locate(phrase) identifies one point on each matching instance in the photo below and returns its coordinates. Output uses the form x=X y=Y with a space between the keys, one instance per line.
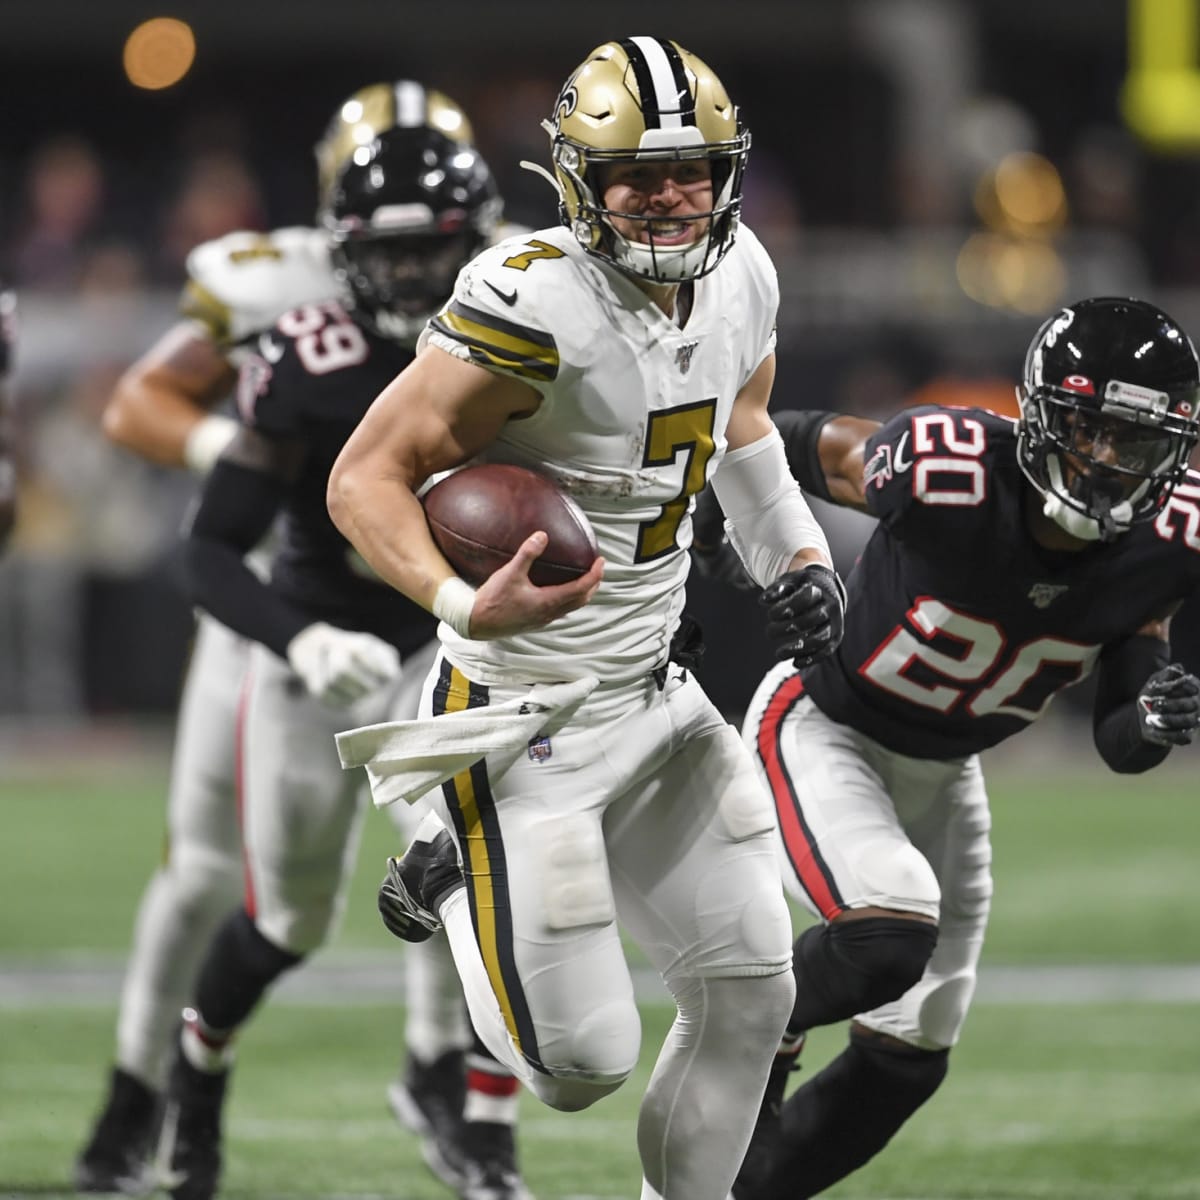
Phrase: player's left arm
x=1145 y=704
x=776 y=536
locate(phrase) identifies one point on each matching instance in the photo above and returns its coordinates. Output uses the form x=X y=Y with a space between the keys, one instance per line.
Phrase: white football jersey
x=242 y=283
x=632 y=424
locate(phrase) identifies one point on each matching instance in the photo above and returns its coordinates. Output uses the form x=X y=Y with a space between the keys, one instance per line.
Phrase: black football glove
x=806 y=614
x=1168 y=707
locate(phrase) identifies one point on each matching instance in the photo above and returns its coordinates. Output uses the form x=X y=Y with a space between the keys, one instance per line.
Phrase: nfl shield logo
x=683 y=356
x=1044 y=594
x=539 y=749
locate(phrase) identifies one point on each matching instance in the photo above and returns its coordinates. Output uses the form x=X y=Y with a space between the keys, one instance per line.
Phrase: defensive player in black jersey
x=332 y=645
x=1010 y=559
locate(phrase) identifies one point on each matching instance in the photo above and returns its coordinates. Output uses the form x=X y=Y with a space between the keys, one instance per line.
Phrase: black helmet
x=405 y=214
x=1108 y=414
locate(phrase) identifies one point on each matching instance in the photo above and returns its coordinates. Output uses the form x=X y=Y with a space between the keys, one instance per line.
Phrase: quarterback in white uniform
x=629 y=355
x=165 y=408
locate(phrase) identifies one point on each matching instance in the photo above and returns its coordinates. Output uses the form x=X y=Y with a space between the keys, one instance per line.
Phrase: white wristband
x=205 y=441
x=453 y=603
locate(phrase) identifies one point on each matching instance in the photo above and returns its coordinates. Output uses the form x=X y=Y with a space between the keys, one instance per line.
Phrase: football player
x=165 y=409
x=975 y=601
x=330 y=644
x=629 y=353
x=8 y=469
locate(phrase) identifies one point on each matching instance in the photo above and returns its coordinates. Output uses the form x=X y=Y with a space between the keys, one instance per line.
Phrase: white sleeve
x=766 y=516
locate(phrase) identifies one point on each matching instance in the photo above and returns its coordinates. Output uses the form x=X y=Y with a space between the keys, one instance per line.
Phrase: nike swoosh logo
x=509 y=299
x=271 y=351
x=899 y=462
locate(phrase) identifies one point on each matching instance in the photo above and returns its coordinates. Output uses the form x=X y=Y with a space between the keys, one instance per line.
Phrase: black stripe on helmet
x=645 y=82
x=687 y=104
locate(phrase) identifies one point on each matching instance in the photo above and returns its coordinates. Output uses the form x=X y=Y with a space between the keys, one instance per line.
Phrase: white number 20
x=983 y=645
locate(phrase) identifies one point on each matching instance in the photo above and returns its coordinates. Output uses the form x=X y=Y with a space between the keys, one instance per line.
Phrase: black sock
x=847 y=1113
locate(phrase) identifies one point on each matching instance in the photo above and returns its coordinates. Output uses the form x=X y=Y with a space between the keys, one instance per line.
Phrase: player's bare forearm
x=841 y=447
x=161 y=398
x=438 y=413
x=380 y=516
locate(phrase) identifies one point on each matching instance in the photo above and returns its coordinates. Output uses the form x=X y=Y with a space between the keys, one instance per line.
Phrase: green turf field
x=1095 y=1100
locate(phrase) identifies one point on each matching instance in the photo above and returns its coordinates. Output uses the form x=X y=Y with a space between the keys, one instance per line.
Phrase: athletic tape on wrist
x=206 y=440
x=453 y=603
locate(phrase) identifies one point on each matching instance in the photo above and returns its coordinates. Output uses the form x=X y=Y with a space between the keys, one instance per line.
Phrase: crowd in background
x=96 y=228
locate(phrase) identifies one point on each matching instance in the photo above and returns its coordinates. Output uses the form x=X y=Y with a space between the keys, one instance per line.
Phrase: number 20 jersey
x=631 y=423
x=959 y=628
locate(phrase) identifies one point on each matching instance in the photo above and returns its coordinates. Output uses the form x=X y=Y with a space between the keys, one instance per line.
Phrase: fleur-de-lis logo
x=568 y=101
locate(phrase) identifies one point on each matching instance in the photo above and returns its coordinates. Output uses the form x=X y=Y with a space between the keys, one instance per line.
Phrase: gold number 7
x=687 y=430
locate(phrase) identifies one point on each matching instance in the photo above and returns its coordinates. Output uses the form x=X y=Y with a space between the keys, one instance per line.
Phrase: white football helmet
x=646 y=99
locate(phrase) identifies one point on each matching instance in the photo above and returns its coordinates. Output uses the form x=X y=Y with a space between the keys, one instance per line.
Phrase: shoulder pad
x=243 y=282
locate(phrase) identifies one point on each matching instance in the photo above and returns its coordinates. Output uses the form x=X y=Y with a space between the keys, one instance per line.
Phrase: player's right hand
x=806 y=614
x=338 y=666
x=1168 y=707
x=507 y=603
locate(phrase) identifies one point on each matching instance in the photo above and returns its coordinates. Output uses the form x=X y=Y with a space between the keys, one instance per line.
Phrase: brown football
x=480 y=515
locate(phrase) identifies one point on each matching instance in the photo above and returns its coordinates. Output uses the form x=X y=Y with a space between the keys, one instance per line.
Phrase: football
x=480 y=515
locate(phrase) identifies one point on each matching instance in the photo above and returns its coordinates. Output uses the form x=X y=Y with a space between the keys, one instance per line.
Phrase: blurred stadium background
x=932 y=176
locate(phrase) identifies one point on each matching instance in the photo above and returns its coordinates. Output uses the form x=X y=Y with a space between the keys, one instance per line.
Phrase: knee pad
x=599 y=1053
x=204 y=882
x=571 y=1095
x=850 y=967
x=241 y=964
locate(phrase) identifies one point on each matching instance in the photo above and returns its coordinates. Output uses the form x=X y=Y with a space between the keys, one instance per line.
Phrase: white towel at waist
x=405 y=759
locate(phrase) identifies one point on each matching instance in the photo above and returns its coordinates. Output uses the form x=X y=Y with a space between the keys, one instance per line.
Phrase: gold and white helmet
x=646 y=99
x=372 y=110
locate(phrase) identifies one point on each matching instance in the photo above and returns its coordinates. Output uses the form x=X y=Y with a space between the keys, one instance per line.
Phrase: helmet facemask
x=591 y=222
x=396 y=283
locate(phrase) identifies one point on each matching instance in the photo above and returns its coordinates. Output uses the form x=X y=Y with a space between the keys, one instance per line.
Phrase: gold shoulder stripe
x=494 y=342
x=201 y=305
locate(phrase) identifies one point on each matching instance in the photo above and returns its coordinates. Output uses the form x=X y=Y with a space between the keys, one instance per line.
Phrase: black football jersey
x=959 y=628
x=310 y=382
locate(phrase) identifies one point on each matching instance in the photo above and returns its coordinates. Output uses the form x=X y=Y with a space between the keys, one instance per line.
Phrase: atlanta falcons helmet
x=405 y=214
x=646 y=99
x=362 y=117
x=1109 y=414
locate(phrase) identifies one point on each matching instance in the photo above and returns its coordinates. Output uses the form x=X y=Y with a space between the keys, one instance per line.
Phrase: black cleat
x=429 y=1102
x=188 y=1162
x=764 y=1141
x=491 y=1166
x=416 y=885
x=115 y=1158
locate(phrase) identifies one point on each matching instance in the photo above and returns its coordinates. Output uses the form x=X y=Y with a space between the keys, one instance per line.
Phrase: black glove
x=1168 y=707
x=806 y=614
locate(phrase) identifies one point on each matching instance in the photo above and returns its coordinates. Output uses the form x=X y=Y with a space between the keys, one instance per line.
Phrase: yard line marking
x=94 y=981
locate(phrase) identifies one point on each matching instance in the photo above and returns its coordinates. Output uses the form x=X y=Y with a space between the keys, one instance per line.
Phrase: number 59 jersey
x=631 y=423
x=959 y=628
